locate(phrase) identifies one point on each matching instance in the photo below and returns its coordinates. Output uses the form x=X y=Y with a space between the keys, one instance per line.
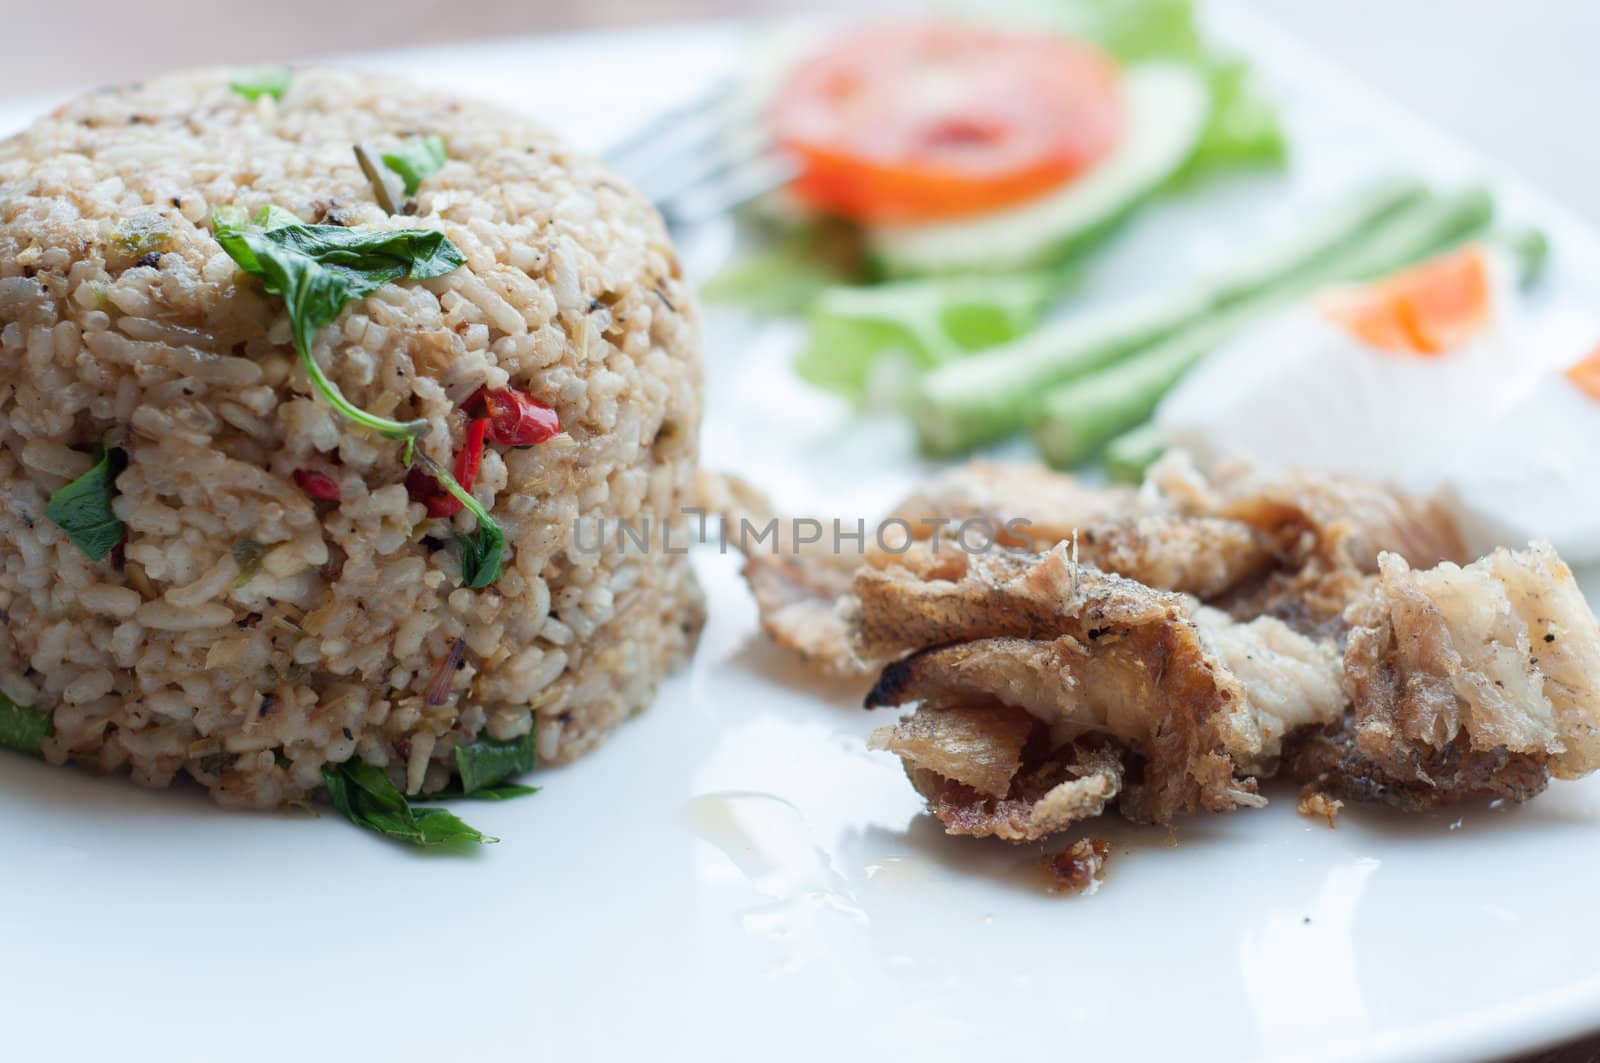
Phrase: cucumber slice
x=1167 y=107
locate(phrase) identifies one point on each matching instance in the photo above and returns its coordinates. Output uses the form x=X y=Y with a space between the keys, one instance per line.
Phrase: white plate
x=735 y=876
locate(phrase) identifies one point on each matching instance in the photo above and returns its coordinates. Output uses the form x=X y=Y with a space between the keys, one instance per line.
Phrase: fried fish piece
x=1296 y=548
x=1464 y=682
x=1050 y=505
x=968 y=762
x=797 y=586
x=1087 y=654
x=1204 y=556
x=1346 y=520
x=1323 y=533
x=1034 y=508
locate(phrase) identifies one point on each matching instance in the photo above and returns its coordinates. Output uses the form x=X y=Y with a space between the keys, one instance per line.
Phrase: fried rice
x=244 y=633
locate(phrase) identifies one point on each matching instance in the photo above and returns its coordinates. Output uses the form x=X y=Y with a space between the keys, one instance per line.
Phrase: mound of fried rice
x=245 y=634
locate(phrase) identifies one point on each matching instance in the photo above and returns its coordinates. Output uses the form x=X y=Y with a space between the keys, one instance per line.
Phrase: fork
x=700 y=159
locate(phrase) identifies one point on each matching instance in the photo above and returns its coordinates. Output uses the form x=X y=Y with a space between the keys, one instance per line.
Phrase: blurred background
x=1517 y=80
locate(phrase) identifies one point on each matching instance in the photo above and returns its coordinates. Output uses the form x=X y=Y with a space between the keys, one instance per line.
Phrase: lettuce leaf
x=789 y=266
x=929 y=322
x=1129 y=30
x=1243 y=131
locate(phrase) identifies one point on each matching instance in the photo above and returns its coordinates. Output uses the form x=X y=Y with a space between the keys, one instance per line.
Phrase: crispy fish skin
x=1333 y=766
x=797 y=586
x=1296 y=548
x=1465 y=682
x=1052 y=504
x=975 y=746
x=1049 y=795
x=1086 y=653
x=1344 y=520
x=1324 y=534
x=797 y=599
x=1203 y=556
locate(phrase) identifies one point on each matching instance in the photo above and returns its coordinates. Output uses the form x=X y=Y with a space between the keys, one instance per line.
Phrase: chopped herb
x=375 y=177
x=481 y=548
x=364 y=795
x=258 y=81
x=488 y=761
x=417 y=160
x=82 y=508
x=23 y=727
x=141 y=234
x=247 y=554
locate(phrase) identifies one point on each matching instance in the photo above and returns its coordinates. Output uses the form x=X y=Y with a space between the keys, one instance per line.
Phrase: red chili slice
x=425 y=489
x=516 y=419
x=318 y=485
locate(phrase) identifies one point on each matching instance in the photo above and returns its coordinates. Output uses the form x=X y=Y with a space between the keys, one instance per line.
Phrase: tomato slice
x=1427 y=309
x=1586 y=374
x=919 y=121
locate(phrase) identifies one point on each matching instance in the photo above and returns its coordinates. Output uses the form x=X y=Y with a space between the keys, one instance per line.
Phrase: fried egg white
x=1389 y=381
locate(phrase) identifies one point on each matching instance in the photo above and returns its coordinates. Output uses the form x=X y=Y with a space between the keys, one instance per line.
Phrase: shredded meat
x=1345 y=520
x=1465 y=682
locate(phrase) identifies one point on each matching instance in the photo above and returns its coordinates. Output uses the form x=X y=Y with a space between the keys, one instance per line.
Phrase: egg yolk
x=1586 y=374
x=1427 y=309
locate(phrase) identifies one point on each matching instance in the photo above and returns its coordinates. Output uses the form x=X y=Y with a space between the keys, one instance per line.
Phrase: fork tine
x=725 y=154
x=671 y=120
x=702 y=158
x=734 y=188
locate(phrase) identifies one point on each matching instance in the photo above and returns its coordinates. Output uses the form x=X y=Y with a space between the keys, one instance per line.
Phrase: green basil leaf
x=318 y=269
x=364 y=795
x=481 y=551
x=258 y=81
x=488 y=761
x=505 y=791
x=23 y=727
x=82 y=508
x=417 y=160
x=435 y=826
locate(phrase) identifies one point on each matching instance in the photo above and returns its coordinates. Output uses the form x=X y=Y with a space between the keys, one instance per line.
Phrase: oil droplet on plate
x=767 y=840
